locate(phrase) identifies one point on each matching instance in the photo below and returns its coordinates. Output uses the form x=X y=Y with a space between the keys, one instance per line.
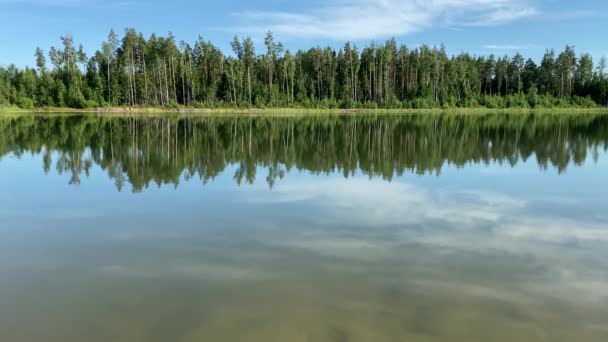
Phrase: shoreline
x=297 y=111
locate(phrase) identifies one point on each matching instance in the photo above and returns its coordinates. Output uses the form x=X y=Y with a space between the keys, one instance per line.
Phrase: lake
x=304 y=228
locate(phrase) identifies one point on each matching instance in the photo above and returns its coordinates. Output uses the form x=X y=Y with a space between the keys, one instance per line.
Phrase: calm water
x=390 y=228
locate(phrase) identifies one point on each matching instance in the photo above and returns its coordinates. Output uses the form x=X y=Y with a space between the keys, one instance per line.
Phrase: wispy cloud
x=507 y=47
x=503 y=218
x=452 y=222
x=369 y=19
x=501 y=16
x=574 y=14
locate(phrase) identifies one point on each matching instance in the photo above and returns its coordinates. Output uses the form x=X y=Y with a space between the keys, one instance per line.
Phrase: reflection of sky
x=507 y=230
x=557 y=220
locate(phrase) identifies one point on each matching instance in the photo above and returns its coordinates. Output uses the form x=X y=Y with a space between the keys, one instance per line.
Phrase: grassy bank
x=293 y=111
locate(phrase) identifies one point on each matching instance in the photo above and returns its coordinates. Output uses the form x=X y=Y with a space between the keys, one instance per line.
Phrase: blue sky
x=476 y=26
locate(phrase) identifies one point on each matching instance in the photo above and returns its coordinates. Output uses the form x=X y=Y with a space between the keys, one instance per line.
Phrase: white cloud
x=369 y=19
x=497 y=217
x=395 y=215
x=381 y=203
x=507 y=47
x=575 y=14
x=502 y=16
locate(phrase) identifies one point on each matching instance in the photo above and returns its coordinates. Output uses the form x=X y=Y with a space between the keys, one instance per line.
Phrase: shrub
x=421 y=103
x=493 y=102
x=173 y=104
x=544 y=101
x=90 y=104
x=517 y=101
x=470 y=103
x=393 y=103
x=532 y=96
x=450 y=102
x=585 y=102
x=370 y=105
x=260 y=102
x=347 y=104
x=25 y=103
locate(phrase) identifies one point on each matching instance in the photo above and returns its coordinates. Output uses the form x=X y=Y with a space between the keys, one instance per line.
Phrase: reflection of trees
x=142 y=150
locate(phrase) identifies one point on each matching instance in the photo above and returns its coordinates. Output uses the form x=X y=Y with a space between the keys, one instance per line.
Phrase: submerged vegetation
x=162 y=150
x=161 y=72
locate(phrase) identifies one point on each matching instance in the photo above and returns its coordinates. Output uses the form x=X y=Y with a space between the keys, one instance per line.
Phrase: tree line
x=148 y=151
x=159 y=71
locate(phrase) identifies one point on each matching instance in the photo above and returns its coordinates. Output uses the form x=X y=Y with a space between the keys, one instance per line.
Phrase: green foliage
x=423 y=103
x=173 y=104
x=584 y=102
x=133 y=70
x=25 y=103
x=347 y=103
x=493 y=101
x=378 y=146
x=75 y=97
x=90 y=104
x=532 y=96
x=517 y=101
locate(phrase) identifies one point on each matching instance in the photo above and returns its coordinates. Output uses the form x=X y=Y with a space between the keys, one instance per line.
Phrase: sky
x=476 y=26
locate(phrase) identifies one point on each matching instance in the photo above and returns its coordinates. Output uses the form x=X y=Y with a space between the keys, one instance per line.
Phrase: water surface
x=332 y=228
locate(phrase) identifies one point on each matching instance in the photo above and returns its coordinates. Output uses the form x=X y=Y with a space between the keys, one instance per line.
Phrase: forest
x=159 y=71
x=144 y=151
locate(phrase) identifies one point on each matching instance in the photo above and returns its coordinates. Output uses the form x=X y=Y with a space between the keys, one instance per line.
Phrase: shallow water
x=375 y=228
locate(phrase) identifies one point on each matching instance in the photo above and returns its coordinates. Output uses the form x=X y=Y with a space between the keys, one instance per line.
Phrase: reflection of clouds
x=147 y=235
x=378 y=202
x=554 y=230
x=345 y=247
x=200 y=271
x=568 y=251
x=217 y=272
x=65 y=214
x=591 y=283
x=475 y=290
x=40 y=220
x=440 y=212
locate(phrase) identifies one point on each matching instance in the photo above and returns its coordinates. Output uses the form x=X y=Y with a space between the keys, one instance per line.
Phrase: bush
x=173 y=104
x=25 y=103
x=393 y=103
x=198 y=104
x=532 y=97
x=77 y=102
x=326 y=104
x=331 y=104
x=347 y=104
x=259 y=102
x=370 y=105
x=450 y=102
x=90 y=104
x=517 y=101
x=421 y=103
x=470 y=103
x=406 y=104
x=306 y=103
x=562 y=103
x=544 y=101
x=75 y=99
x=493 y=102
x=585 y=102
